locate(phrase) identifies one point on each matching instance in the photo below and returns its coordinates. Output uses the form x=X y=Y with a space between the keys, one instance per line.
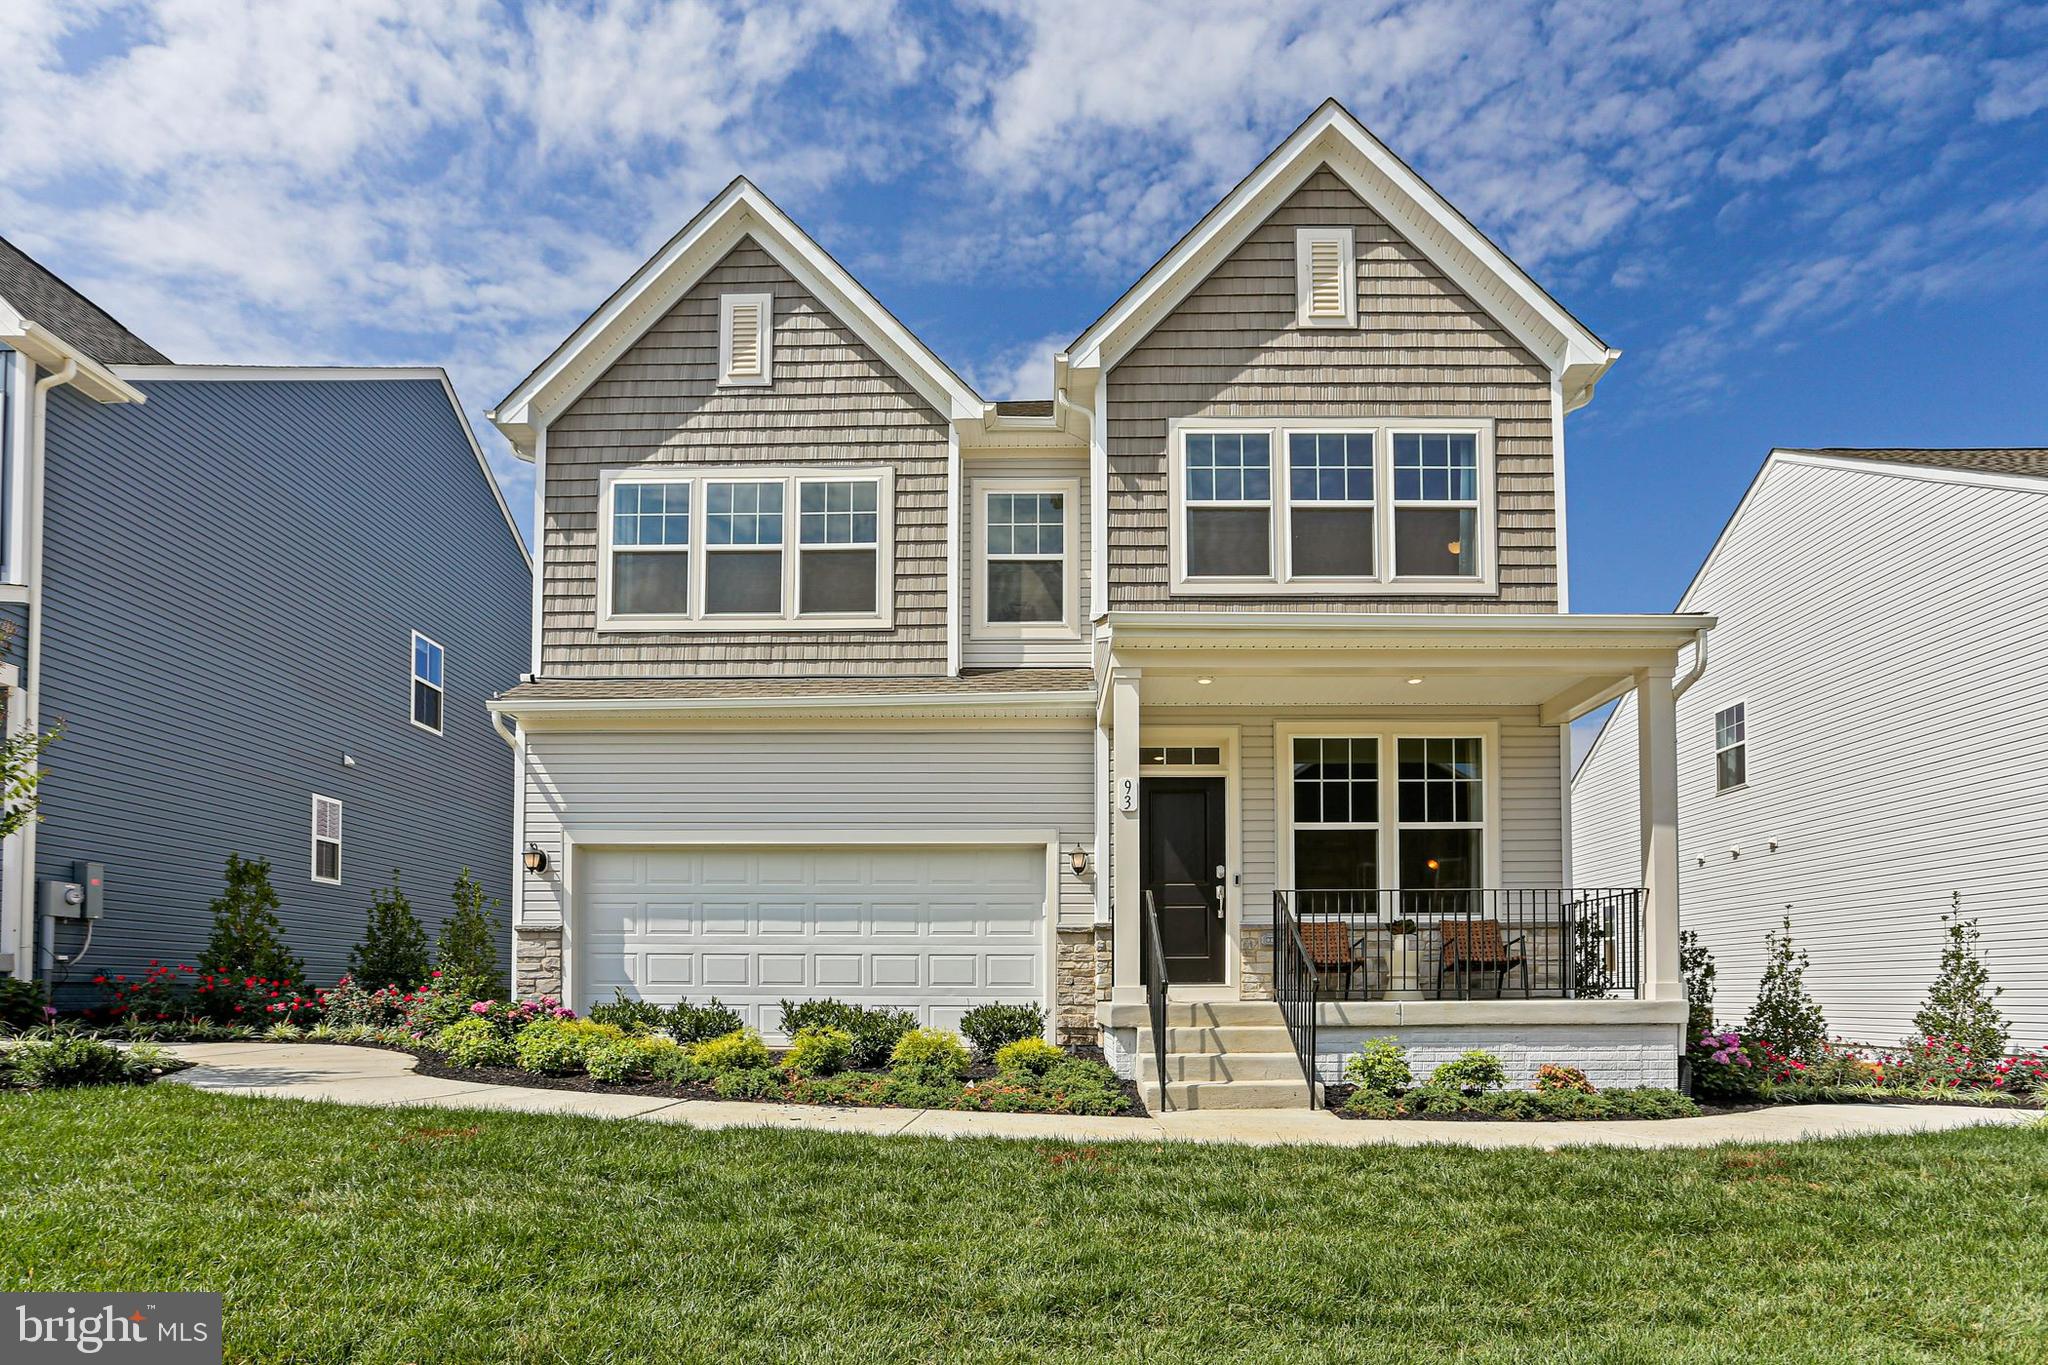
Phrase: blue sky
x=1804 y=224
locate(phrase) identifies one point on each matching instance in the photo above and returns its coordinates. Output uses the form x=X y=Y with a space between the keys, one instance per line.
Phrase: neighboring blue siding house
x=266 y=606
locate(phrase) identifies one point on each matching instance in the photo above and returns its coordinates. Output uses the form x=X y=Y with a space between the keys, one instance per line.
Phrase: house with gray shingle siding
x=1233 y=678
x=265 y=607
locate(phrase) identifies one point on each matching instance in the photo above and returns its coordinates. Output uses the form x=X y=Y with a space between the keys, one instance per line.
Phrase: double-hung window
x=428 y=695
x=1332 y=508
x=1441 y=813
x=1229 y=501
x=1025 y=530
x=326 y=840
x=1375 y=810
x=1336 y=812
x=740 y=548
x=1731 y=748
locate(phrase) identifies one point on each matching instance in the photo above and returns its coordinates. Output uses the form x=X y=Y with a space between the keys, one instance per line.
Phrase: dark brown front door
x=1183 y=870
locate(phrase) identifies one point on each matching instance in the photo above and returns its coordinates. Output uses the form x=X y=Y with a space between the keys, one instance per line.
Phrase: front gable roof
x=739 y=211
x=1333 y=137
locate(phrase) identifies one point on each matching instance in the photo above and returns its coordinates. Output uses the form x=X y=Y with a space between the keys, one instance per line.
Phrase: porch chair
x=1476 y=945
x=1331 y=948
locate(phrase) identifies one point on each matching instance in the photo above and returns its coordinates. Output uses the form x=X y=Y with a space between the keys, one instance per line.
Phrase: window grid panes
x=1330 y=466
x=426 y=683
x=1026 y=525
x=651 y=514
x=1336 y=781
x=1731 y=748
x=1229 y=466
x=1436 y=467
x=839 y=512
x=1180 y=756
x=1439 y=780
x=743 y=514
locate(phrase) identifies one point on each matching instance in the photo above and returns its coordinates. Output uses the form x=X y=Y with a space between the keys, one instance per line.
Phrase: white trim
x=1559 y=502
x=1279 y=582
x=1098 y=502
x=738 y=211
x=1068 y=627
x=1714 y=742
x=1388 y=733
x=539 y=556
x=279 y=373
x=763 y=375
x=578 y=840
x=955 y=491
x=1229 y=739
x=313 y=860
x=17 y=404
x=699 y=550
x=411 y=692
x=1306 y=240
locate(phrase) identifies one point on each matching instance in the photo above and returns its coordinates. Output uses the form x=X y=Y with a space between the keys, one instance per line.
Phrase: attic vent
x=1323 y=277
x=746 y=338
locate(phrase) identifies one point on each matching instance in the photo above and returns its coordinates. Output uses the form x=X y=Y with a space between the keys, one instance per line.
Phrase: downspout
x=1699 y=666
x=32 y=643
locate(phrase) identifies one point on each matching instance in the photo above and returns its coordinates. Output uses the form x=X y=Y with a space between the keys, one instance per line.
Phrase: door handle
x=1222 y=881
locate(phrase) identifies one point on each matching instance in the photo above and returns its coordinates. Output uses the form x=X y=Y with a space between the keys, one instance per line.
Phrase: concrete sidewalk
x=372 y=1076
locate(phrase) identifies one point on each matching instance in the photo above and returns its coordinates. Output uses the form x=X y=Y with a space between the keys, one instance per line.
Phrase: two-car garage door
x=936 y=929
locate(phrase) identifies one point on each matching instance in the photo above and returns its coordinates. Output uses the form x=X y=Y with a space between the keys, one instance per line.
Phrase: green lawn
x=365 y=1235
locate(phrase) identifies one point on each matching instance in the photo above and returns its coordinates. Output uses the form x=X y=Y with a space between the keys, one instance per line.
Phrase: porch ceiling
x=1565 y=665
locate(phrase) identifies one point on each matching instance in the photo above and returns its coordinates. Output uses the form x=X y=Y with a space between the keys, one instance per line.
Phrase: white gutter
x=1079 y=701
x=1699 y=664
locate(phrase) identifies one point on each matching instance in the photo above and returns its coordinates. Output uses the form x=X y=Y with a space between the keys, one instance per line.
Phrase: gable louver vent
x=745 y=339
x=1324 y=277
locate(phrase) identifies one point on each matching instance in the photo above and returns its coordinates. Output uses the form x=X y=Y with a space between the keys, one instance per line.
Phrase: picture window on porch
x=1441 y=811
x=1336 y=813
x=1731 y=748
x=1229 y=504
x=1182 y=756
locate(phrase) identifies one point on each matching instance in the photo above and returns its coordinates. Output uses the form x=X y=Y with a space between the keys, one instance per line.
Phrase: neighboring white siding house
x=1884 y=627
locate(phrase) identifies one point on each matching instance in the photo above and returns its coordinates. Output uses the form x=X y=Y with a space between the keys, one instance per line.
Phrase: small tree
x=394 y=947
x=1592 y=979
x=1784 y=1015
x=467 y=954
x=247 y=939
x=1696 y=968
x=1961 y=1005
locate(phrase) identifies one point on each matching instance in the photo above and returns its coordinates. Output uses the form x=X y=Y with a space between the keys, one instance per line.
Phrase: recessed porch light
x=1205 y=681
x=1415 y=682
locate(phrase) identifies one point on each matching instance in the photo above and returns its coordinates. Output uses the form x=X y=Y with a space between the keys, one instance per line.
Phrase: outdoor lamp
x=1078 y=860
x=536 y=859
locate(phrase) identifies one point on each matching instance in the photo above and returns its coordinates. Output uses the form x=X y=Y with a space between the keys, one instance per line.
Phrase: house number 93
x=1127 y=795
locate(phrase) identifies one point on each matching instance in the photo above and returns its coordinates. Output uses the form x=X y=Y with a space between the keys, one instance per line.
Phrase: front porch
x=1362 y=821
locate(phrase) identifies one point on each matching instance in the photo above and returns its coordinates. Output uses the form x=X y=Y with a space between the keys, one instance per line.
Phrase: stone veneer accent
x=536 y=962
x=1082 y=978
x=1255 y=963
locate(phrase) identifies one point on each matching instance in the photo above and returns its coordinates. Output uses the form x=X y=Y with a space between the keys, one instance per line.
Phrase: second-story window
x=1366 y=507
x=427 y=693
x=744 y=548
x=1731 y=748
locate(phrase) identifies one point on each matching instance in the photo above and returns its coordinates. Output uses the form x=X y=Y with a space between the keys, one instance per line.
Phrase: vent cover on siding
x=746 y=338
x=1328 y=296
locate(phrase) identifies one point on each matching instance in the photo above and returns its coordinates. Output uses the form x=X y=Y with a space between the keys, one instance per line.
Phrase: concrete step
x=1199 y=1014
x=1244 y=1038
x=1186 y=1095
x=1235 y=1066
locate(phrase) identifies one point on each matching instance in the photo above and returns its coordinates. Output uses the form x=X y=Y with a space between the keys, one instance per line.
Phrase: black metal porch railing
x=1294 y=987
x=1463 y=945
x=1155 y=990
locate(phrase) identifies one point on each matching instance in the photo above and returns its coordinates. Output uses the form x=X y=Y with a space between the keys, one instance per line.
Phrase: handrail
x=1294 y=987
x=1155 y=990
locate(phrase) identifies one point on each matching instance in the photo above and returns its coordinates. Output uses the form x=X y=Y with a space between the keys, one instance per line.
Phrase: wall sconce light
x=536 y=859
x=1078 y=860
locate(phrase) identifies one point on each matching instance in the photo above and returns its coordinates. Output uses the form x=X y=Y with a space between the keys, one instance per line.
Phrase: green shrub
x=819 y=1050
x=631 y=1058
x=1784 y=1015
x=688 y=1023
x=1381 y=1066
x=1081 y=1086
x=466 y=954
x=21 y=1004
x=1962 y=1004
x=874 y=1031
x=1028 y=1057
x=933 y=1054
x=634 y=1016
x=63 y=1060
x=914 y=1088
x=247 y=939
x=748 y=1083
x=1373 y=1104
x=552 y=1047
x=476 y=1041
x=991 y=1028
x=675 y=1066
x=1696 y=969
x=740 y=1050
x=1550 y=1078
x=394 y=947
x=1541 y=1105
x=1475 y=1072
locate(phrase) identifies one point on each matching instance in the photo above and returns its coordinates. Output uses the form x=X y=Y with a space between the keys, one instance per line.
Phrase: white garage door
x=936 y=929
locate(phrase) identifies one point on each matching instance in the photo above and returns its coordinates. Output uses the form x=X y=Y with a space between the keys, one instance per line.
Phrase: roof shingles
x=42 y=298
x=1986 y=460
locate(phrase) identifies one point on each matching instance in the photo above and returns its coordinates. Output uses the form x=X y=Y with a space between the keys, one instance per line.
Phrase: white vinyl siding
x=1891 y=625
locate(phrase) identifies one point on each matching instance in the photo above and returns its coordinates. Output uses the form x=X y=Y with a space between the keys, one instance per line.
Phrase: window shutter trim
x=1325 y=278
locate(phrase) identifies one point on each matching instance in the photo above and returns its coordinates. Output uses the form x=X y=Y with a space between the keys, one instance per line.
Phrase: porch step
x=1200 y=1014
x=1226 y=1054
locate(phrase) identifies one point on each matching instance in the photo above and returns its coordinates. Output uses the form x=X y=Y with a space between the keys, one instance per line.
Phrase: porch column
x=1657 y=773
x=1126 y=897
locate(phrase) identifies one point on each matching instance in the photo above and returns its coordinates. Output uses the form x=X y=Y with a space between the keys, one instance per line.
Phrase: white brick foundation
x=1611 y=1055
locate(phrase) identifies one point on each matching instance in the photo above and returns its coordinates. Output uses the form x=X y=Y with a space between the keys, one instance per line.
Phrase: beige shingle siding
x=1423 y=348
x=833 y=402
